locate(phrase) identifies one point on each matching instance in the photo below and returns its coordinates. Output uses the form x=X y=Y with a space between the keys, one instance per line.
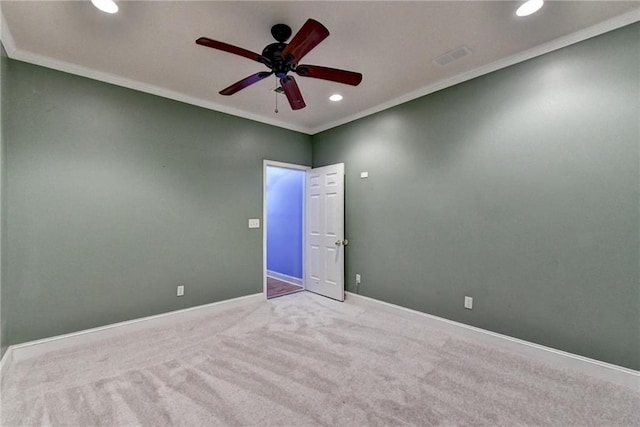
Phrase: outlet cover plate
x=254 y=223
x=468 y=303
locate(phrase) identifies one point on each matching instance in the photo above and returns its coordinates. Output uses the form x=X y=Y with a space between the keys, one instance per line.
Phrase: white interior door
x=324 y=231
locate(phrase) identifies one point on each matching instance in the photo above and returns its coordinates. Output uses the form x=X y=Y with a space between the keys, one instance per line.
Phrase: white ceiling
x=149 y=46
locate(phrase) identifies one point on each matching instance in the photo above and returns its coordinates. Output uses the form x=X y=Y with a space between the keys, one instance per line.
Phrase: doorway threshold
x=276 y=287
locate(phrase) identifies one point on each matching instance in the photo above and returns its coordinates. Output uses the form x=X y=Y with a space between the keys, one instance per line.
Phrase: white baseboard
x=558 y=358
x=36 y=348
x=285 y=278
x=5 y=362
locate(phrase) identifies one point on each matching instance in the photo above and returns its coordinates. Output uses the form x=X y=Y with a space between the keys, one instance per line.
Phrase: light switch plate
x=254 y=223
x=468 y=303
x=364 y=175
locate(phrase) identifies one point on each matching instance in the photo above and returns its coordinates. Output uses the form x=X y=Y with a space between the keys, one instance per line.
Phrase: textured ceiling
x=149 y=46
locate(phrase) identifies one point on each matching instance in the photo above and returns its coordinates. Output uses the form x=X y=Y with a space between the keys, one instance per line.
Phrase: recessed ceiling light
x=105 y=5
x=335 y=97
x=527 y=8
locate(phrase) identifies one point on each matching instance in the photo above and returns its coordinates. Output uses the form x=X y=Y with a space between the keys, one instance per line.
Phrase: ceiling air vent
x=452 y=56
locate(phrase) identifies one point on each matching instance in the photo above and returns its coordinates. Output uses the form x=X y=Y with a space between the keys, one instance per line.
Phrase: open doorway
x=283 y=215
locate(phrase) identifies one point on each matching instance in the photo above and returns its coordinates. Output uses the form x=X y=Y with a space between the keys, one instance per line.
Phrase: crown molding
x=584 y=34
x=5 y=35
x=20 y=55
x=70 y=68
x=609 y=25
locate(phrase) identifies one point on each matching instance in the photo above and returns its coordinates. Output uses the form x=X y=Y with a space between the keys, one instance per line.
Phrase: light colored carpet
x=303 y=360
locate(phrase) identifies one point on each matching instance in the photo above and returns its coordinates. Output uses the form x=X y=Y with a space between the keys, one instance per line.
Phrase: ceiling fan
x=282 y=58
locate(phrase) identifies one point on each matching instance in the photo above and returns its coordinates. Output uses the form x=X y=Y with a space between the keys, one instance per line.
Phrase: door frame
x=283 y=165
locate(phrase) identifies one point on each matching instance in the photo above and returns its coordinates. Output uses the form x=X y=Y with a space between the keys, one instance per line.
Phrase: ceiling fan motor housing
x=273 y=53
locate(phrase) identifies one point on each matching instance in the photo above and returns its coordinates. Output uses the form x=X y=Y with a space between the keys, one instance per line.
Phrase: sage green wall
x=115 y=197
x=519 y=188
x=3 y=216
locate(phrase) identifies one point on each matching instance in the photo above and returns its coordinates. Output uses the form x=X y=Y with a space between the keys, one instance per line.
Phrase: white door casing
x=324 y=241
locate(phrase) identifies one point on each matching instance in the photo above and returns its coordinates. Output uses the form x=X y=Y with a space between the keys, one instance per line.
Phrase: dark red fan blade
x=247 y=81
x=203 y=41
x=292 y=91
x=309 y=36
x=333 y=74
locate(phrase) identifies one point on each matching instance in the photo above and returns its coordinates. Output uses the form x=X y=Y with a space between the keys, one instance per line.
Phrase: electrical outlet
x=254 y=223
x=180 y=291
x=358 y=279
x=468 y=303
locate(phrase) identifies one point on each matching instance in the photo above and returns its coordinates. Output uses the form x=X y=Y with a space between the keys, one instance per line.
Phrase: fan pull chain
x=276 y=92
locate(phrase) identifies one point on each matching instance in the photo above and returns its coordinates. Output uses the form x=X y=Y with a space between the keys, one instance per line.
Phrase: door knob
x=338 y=242
x=344 y=242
